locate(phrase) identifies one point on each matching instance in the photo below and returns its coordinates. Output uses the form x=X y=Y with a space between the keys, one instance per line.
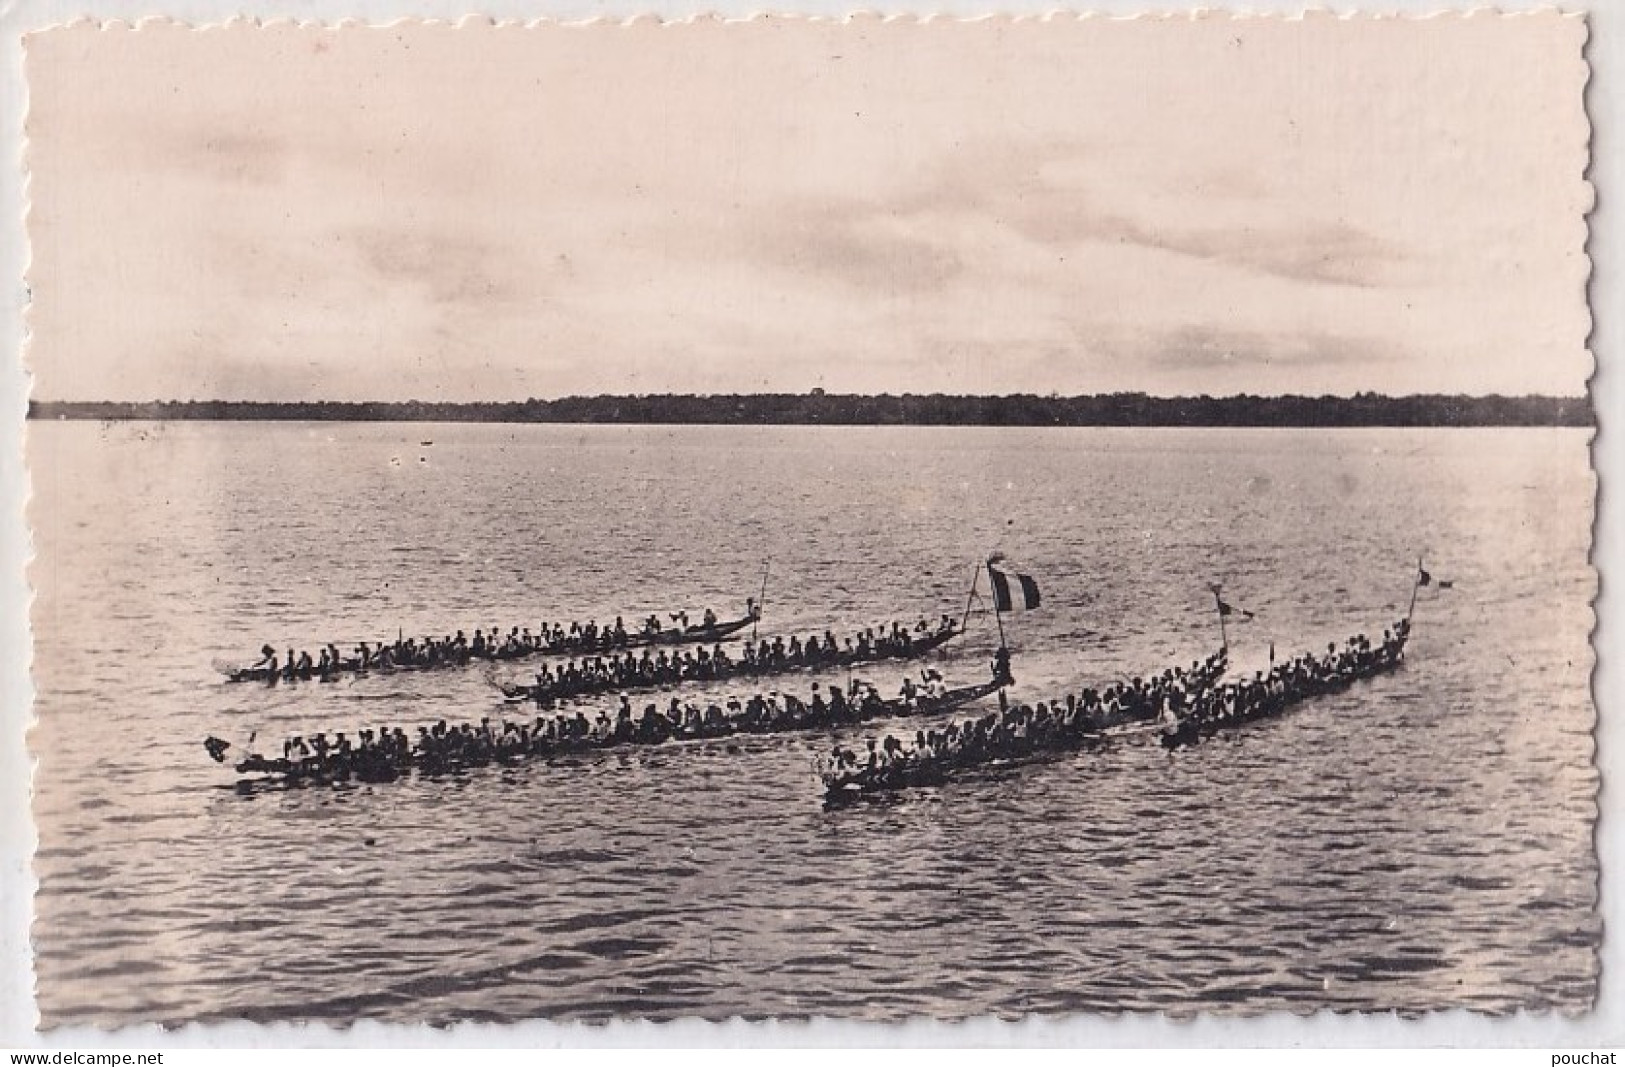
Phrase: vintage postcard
x=863 y=519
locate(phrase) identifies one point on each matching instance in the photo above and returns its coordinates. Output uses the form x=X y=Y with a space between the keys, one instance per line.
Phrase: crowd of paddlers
x=387 y=752
x=458 y=649
x=1285 y=684
x=1185 y=704
x=1023 y=726
x=630 y=671
x=1180 y=705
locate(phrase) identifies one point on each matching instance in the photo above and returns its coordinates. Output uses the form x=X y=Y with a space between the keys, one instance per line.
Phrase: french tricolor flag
x=1004 y=597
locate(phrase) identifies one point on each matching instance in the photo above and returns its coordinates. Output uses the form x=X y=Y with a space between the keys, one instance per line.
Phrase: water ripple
x=1417 y=843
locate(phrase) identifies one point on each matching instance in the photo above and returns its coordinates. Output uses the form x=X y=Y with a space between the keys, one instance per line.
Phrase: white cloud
x=1070 y=206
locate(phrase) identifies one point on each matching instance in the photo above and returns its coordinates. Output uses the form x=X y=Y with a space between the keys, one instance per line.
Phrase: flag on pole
x=1423 y=578
x=1227 y=611
x=1003 y=598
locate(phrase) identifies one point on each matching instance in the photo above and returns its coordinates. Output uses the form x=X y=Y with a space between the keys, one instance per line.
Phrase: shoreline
x=816 y=409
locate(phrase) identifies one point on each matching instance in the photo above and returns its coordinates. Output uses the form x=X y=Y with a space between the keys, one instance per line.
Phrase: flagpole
x=1416 y=587
x=970 y=598
x=1004 y=648
x=761 y=603
x=997 y=614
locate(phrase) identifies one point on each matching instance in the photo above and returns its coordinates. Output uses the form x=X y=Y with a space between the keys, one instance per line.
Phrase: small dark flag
x=1424 y=578
x=1002 y=598
x=217 y=748
x=1226 y=610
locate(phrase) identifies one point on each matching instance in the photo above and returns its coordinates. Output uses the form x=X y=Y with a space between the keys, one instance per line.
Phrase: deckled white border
x=1604 y=1027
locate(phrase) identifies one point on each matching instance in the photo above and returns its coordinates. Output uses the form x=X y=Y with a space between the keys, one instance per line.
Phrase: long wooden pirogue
x=430 y=653
x=1287 y=685
x=388 y=755
x=1013 y=734
x=630 y=673
x=1186 y=714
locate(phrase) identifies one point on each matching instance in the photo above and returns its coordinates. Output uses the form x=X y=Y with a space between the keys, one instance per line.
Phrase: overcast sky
x=1182 y=206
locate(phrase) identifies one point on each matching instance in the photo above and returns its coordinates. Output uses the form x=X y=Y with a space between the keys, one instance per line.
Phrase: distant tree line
x=818 y=408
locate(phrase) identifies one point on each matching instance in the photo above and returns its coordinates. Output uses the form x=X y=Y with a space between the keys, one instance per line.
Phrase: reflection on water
x=1421 y=841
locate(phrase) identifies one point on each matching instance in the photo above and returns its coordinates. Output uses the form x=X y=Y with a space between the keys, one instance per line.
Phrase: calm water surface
x=1420 y=842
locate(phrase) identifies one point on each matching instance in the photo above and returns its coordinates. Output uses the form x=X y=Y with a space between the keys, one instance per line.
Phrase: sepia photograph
x=868 y=519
